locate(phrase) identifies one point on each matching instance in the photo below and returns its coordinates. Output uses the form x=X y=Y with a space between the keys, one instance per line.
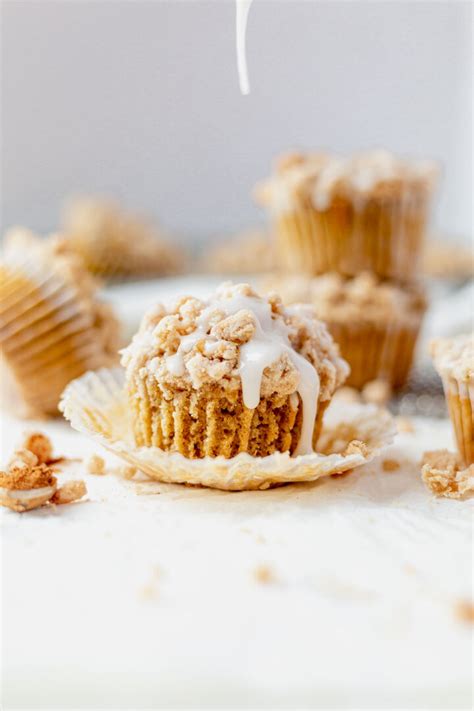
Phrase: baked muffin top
x=319 y=178
x=363 y=298
x=238 y=339
x=454 y=357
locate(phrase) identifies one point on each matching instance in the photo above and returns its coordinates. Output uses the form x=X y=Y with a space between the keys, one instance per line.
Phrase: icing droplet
x=241 y=14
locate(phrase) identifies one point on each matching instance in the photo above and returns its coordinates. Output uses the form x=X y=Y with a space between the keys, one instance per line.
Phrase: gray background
x=140 y=100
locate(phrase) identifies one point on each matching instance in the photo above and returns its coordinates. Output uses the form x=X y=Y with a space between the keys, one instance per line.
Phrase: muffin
x=236 y=373
x=368 y=212
x=375 y=323
x=52 y=326
x=248 y=252
x=454 y=361
x=114 y=243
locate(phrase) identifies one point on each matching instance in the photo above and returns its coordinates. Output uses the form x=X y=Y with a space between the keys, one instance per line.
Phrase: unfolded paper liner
x=460 y=399
x=384 y=236
x=96 y=405
x=47 y=338
x=376 y=351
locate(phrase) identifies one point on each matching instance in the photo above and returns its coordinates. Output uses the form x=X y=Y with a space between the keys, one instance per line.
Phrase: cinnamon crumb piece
x=390 y=465
x=128 y=472
x=40 y=445
x=404 y=424
x=377 y=392
x=464 y=611
x=442 y=473
x=95 y=465
x=264 y=574
x=357 y=447
x=69 y=492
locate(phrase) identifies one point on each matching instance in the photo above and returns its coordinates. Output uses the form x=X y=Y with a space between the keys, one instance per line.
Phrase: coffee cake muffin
x=236 y=373
x=116 y=244
x=374 y=322
x=52 y=326
x=368 y=211
x=454 y=361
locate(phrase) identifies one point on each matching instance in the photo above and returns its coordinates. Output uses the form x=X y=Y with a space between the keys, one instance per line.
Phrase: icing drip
x=241 y=14
x=269 y=342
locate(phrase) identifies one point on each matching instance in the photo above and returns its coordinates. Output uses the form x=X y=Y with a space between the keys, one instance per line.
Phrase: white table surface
x=144 y=595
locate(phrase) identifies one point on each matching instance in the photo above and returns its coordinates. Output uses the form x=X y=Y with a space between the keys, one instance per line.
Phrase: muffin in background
x=247 y=252
x=364 y=212
x=454 y=361
x=375 y=323
x=236 y=373
x=52 y=326
x=116 y=244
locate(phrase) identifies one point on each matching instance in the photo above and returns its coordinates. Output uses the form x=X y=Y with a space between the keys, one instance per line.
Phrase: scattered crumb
x=95 y=465
x=40 y=445
x=390 y=465
x=357 y=447
x=22 y=460
x=404 y=424
x=264 y=574
x=377 y=392
x=442 y=473
x=127 y=472
x=464 y=611
x=69 y=492
x=150 y=590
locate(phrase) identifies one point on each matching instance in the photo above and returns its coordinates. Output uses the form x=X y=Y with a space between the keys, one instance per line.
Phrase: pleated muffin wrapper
x=383 y=234
x=47 y=337
x=96 y=404
x=460 y=400
x=377 y=351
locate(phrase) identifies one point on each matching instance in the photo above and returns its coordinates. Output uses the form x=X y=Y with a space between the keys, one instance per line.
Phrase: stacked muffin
x=352 y=229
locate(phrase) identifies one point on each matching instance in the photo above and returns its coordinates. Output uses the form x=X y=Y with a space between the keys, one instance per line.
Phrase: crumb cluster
x=454 y=357
x=444 y=475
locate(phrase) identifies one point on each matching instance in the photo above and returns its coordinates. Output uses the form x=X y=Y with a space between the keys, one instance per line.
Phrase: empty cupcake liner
x=96 y=405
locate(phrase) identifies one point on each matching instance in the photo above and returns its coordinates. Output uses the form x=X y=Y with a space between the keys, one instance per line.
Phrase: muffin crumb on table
x=444 y=475
x=95 y=465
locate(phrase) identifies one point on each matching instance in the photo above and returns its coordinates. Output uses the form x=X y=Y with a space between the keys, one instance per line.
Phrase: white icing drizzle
x=269 y=342
x=242 y=8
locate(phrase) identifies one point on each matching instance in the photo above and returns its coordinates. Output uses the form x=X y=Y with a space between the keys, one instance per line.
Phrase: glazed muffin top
x=49 y=262
x=300 y=179
x=363 y=298
x=238 y=339
x=454 y=357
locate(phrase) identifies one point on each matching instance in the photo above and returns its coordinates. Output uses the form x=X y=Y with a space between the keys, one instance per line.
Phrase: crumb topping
x=443 y=474
x=27 y=477
x=69 y=492
x=245 y=253
x=361 y=298
x=454 y=357
x=210 y=352
x=39 y=445
x=322 y=177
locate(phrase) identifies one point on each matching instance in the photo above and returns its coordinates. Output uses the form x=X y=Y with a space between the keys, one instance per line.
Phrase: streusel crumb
x=264 y=574
x=95 y=465
x=443 y=474
x=69 y=492
x=390 y=465
x=40 y=445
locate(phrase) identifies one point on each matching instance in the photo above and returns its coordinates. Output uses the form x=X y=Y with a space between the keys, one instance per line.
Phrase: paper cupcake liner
x=214 y=422
x=384 y=236
x=47 y=338
x=375 y=352
x=460 y=400
x=97 y=405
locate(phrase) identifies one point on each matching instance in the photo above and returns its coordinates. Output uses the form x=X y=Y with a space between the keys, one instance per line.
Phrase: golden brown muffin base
x=461 y=413
x=375 y=352
x=384 y=236
x=214 y=422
